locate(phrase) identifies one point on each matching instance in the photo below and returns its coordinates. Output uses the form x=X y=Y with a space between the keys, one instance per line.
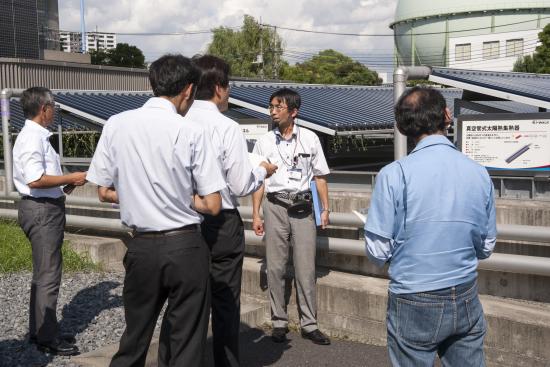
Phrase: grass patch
x=16 y=252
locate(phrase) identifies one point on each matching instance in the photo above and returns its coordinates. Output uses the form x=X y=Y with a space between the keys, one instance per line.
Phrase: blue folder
x=316 y=202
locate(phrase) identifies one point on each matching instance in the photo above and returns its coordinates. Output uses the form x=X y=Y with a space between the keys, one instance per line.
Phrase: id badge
x=295 y=174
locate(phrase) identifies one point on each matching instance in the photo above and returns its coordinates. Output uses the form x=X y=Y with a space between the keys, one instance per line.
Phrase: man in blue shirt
x=432 y=216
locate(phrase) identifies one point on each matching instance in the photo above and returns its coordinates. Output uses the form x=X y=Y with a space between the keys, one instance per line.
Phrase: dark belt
x=169 y=232
x=306 y=195
x=59 y=200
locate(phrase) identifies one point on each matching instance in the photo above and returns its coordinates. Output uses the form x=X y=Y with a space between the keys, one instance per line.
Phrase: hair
x=171 y=74
x=34 y=99
x=289 y=96
x=419 y=111
x=214 y=72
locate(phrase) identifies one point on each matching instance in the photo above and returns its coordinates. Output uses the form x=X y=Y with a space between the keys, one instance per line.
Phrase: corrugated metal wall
x=23 y=73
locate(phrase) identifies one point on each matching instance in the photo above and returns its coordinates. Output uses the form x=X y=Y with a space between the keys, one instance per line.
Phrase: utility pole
x=275 y=54
x=84 y=39
x=261 y=58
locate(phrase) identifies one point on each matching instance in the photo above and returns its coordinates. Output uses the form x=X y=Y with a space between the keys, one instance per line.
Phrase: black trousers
x=159 y=268
x=224 y=234
x=43 y=222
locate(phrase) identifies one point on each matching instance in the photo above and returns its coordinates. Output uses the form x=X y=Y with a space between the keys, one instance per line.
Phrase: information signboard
x=508 y=143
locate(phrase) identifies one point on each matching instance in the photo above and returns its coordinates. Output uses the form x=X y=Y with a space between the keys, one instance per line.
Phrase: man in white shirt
x=288 y=215
x=224 y=233
x=39 y=179
x=161 y=169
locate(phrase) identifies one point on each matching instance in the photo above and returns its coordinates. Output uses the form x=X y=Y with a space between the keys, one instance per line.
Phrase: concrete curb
x=108 y=252
x=354 y=307
x=253 y=312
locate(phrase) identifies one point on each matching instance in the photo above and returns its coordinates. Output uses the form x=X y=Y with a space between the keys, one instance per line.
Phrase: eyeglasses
x=278 y=107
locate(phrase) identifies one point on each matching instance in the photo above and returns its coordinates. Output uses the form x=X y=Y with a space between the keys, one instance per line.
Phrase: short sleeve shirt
x=33 y=157
x=299 y=159
x=155 y=159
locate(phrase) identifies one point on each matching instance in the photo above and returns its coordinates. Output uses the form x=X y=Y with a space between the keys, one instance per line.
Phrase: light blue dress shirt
x=432 y=216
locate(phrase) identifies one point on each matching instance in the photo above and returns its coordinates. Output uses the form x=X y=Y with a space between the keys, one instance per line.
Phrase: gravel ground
x=89 y=307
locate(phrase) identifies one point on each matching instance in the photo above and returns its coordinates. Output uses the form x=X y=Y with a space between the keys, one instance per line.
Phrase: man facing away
x=288 y=215
x=432 y=216
x=39 y=179
x=224 y=233
x=160 y=168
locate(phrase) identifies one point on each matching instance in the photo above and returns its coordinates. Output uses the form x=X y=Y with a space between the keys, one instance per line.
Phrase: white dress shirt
x=34 y=156
x=155 y=159
x=230 y=145
x=299 y=159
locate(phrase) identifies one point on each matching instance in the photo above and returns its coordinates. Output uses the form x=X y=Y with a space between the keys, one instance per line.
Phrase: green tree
x=331 y=67
x=539 y=62
x=99 y=57
x=123 y=55
x=250 y=51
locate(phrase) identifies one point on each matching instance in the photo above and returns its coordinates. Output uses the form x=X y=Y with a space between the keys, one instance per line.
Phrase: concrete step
x=106 y=251
x=254 y=313
x=354 y=307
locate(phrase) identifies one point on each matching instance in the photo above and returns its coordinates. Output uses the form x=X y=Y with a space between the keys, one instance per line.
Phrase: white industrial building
x=468 y=34
x=71 y=41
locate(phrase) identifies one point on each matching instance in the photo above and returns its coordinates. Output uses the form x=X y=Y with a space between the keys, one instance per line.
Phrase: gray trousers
x=282 y=230
x=43 y=222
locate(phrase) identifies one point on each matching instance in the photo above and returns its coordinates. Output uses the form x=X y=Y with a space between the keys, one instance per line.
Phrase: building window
x=514 y=48
x=491 y=50
x=463 y=52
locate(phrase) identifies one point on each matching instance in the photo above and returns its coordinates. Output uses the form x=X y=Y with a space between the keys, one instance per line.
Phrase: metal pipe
x=497 y=262
x=106 y=224
x=400 y=77
x=5 y=96
x=519 y=264
x=505 y=231
x=71 y=200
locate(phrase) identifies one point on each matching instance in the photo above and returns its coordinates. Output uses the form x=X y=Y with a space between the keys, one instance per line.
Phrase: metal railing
x=497 y=262
x=510 y=263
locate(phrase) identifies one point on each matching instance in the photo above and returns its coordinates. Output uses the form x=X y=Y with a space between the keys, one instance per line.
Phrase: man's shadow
x=255 y=348
x=86 y=305
x=76 y=317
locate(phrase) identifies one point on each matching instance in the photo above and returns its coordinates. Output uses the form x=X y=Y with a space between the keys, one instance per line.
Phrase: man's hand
x=77 y=178
x=258 y=226
x=324 y=219
x=210 y=204
x=270 y=168
x=107 y=194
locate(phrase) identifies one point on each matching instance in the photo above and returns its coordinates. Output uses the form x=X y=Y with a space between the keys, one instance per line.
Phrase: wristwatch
x=325 y=210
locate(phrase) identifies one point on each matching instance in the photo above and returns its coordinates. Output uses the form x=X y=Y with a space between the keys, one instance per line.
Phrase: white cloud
x=149 y=16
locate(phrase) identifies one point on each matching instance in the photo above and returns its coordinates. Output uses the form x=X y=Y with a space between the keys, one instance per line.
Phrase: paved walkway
x=257 y=350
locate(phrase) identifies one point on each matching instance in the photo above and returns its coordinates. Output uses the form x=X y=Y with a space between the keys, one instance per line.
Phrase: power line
x=207 y=31
x=529 y=44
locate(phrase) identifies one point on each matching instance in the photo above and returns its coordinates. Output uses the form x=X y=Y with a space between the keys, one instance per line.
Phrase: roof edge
x=458 y=12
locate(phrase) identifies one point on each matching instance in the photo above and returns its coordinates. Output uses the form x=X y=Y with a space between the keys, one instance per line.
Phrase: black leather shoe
x=58 y=347
x=66 y=337
x=278 y=335
x=317 y=337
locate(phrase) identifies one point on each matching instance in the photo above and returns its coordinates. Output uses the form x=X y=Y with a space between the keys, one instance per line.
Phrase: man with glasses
x=224 y=233
x=288 y=213
x=39 y=179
